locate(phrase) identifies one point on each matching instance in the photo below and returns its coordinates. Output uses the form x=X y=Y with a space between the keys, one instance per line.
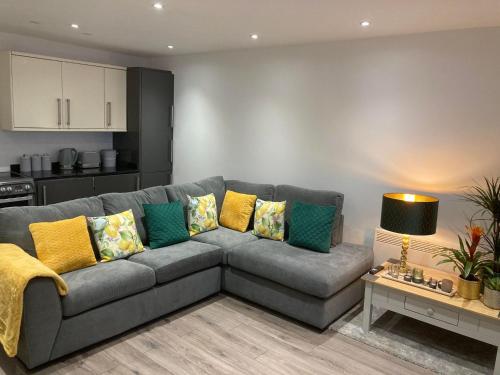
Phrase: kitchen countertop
x=60 y=173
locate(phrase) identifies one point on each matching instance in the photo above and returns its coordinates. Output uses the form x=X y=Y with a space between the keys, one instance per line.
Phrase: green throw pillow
x=165 y=224
x=311 y=226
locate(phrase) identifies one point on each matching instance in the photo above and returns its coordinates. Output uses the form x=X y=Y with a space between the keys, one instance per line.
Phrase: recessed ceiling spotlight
x=170 y=47
x=158 y=5
x=365 y=23
x=254 y=36
x=74 y=26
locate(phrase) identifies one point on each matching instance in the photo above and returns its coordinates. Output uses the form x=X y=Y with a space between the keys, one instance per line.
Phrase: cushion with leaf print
x=269 y=220
x=202 y=214
x=116 y=235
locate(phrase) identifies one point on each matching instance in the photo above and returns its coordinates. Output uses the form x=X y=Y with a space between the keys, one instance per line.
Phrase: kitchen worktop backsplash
x=14 y=145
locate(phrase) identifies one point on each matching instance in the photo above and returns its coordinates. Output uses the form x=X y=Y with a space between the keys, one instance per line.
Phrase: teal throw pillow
x=165 y=224
x=311 y=226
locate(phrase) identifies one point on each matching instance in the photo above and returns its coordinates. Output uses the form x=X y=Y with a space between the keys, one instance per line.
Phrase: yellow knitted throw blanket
x=17 y=268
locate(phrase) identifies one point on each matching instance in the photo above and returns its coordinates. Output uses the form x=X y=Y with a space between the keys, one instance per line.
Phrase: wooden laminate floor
x=224 y=335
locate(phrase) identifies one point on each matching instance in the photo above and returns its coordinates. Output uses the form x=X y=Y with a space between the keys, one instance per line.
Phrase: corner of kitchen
x=126 y=108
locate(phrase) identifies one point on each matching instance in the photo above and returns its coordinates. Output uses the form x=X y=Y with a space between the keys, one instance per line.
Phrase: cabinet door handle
x=172 y=116
x=44 y=195
x=68 y=113
x=138 y=183
x=171 y=151
x=108 y=112
x=59 y=109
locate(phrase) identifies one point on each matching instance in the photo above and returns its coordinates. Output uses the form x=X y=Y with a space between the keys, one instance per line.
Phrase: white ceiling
x=134 y=26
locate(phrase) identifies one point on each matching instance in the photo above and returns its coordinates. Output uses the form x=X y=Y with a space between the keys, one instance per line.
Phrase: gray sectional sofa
x=110 y=298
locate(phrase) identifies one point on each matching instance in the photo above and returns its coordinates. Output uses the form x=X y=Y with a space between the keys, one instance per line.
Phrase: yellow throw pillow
x=63 y=245
x=237 y=210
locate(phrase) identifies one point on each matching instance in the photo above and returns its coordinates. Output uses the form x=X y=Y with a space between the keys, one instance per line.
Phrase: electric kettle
x=67 y=158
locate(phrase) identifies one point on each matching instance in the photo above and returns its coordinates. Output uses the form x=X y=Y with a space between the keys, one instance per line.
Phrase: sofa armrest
x=42 y=316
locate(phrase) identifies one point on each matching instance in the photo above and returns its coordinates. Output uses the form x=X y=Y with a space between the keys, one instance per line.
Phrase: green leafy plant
x=493 y=283
x=487 y=199
x=468 y=260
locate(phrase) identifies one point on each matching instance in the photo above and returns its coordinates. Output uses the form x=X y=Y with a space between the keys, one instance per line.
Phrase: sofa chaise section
x=317 y=274
x=315 y=288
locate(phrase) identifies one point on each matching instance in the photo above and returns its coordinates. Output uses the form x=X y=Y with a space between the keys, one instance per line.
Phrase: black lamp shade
x=409 y=214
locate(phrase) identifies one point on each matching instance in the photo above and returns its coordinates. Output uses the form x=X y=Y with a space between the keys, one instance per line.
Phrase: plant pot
x=468 y=289
x=491 y=298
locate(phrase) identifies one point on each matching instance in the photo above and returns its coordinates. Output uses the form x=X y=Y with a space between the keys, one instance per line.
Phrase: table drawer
x=432 y=311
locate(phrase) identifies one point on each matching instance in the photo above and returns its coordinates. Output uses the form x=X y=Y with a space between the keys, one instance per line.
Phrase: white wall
x=415 y=113
x=13 y=145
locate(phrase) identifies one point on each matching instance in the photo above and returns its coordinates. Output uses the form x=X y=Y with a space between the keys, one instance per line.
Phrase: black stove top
x=8 y=177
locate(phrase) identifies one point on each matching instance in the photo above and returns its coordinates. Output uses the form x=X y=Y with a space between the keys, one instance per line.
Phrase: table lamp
x=409 y=214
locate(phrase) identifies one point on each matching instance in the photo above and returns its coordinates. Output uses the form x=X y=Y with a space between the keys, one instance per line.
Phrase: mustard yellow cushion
x=63 y=245
x=237 y=210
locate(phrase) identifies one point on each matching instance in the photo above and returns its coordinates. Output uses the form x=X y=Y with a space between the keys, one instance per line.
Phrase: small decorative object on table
x=409 y=214
x=416 y=278
x=487 y=198
x=418 y=275
x=446 y=285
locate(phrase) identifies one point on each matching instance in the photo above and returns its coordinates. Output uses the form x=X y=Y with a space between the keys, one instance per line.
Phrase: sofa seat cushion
x=181 y=259
x=225 y=238
x=317 y=274
x=105 y=282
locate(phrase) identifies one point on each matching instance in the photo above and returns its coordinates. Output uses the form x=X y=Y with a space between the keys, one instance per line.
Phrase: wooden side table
x=467 y=317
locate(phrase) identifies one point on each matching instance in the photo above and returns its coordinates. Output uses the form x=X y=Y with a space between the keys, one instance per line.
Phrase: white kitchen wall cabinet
x=40 y=93
x=115 y=99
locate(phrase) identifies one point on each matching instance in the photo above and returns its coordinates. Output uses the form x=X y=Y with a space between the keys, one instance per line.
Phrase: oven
x=16 y=191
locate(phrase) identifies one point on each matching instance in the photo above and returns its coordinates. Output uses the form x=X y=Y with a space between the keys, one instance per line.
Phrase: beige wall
x=409 y=113
x=13 y=145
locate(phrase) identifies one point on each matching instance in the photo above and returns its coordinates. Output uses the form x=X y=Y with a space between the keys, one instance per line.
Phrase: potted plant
x=487 y=198
x=469 y=261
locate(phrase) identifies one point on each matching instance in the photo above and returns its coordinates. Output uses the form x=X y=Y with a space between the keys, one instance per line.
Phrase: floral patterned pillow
x=116 y=235
x=269 y=220
x=202 y=214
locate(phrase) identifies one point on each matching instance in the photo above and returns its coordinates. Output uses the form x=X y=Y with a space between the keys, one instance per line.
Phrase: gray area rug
x=430 y=347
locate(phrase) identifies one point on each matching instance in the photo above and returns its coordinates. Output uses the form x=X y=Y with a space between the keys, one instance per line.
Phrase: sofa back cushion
x=15 y=221
x=211 y=185
x=115 y=203
x=291 y=194
x=263 y=192
x=216 y=186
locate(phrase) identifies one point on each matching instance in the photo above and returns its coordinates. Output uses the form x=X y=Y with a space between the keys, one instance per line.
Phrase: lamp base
x=404 y=254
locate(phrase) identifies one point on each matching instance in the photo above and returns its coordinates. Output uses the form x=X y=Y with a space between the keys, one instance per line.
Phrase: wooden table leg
x=367 y=308
x=496 y=371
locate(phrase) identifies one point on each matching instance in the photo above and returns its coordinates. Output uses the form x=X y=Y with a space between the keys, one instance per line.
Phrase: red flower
x=475 y=236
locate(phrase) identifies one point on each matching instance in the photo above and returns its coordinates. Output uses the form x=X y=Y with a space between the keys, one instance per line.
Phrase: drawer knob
x=430 y=311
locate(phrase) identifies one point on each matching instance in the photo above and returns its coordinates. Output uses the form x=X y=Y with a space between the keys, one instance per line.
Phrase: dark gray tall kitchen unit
x=149 y=138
